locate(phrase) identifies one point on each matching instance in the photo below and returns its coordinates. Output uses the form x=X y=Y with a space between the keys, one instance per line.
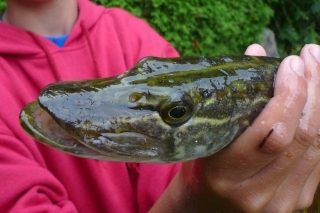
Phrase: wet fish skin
x=162 y=110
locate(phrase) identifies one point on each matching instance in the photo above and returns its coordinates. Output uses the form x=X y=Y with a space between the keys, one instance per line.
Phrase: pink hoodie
x=36 y=178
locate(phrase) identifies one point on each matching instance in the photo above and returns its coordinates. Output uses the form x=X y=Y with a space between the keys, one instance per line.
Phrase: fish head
x=162 y=110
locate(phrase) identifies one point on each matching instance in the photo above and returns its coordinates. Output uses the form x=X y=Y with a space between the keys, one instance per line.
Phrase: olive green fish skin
x=162 y=110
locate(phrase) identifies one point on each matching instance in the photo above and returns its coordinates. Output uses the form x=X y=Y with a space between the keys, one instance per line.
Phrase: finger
x=255 y=50
x=311 y=190
x=305 y=142
x=311 y=56
x=282 y=114
x=312 y=64
x=290 y=196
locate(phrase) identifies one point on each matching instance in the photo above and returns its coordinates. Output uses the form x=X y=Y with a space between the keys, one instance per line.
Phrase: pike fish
x=162 y=110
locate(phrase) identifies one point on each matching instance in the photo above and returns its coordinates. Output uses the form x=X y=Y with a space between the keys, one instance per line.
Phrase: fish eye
x=176 y=113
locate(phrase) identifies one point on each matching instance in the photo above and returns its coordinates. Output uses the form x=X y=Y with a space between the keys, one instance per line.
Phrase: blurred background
x=216 y=27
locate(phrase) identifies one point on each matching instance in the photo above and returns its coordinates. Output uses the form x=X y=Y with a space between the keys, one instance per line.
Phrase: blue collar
x=59 y=41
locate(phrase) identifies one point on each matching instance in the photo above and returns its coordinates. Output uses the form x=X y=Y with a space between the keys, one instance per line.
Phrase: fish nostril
x=135 y=96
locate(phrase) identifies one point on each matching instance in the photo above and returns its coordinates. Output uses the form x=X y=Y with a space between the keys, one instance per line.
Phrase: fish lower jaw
x=126 y=146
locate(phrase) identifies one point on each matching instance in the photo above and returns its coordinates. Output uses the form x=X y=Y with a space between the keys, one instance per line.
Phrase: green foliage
x=2 y=6
x=295 y=24
x=199 y=27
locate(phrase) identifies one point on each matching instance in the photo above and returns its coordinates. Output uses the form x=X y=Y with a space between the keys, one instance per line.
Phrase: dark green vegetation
x=295 y=24
x=2 y=5
x=198 y=27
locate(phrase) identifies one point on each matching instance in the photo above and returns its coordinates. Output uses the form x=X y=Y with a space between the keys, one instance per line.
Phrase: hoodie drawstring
x=51 y=60
x=52 y=63
x=93 y=55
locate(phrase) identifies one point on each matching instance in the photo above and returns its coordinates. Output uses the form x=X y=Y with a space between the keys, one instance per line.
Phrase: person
x=43 y=41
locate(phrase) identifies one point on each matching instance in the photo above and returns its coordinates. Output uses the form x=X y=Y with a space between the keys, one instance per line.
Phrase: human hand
x=284 y=173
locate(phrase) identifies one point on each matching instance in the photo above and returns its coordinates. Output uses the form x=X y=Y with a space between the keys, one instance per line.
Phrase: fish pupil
x=177 y=112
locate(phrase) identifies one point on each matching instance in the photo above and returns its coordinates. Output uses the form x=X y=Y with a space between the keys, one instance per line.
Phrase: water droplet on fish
x=206 y=94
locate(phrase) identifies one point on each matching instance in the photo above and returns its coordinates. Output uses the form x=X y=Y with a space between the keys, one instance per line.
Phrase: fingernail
x=297 y=66
x=315 y=51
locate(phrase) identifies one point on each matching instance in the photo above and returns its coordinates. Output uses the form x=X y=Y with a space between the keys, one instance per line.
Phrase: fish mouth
x=125 y=146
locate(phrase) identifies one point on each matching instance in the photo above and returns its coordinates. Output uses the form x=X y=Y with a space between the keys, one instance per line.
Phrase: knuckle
x=281 y=204
x=305 y=202
x=252 y=202
x=253 y=208
x=221 y=186
x=314 y=149
x=305 y=137
x=275 y=144
x=278 y=209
